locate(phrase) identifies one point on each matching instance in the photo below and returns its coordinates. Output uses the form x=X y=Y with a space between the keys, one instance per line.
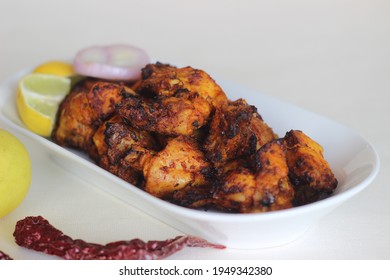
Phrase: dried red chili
x=4 y=256
x=38 y=234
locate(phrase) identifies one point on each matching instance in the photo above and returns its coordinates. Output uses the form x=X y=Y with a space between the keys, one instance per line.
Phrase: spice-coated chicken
x=165 y=80
x=266 y=188
x=175 y=134
x=180 y=164
x=123 y=150
x=309 y=172
x=83 y=110
x=181 y=114
x=132 y=154
x=283 y=173
x=236 y=131
x=258 y=184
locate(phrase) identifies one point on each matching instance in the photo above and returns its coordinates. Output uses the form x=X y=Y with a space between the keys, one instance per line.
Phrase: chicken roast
x=176 y=135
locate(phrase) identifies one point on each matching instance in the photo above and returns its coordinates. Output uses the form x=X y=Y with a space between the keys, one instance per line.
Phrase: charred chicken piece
x=180 y=164
x=283 y=173
x=166 y=80
x=181 y=114
x=203 y=196
x=83 y=110
x=236 y=131
x=265 y=189
x=123 y=150
x=309 y=172
x=196 y=197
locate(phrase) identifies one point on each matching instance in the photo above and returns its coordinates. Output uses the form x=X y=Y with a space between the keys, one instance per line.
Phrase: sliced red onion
x=113 y=62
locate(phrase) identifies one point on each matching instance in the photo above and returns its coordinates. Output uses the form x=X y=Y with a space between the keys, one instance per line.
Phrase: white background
x=331 y=57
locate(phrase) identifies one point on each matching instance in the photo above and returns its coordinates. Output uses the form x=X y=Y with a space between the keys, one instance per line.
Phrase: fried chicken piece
x=309 y=172
x=166 y=80
x=83 y=110
x=123 y=150
x=126 y=173
x=283 y=173
x=75 y=119
x=180 y=164
x=268 y=188
x=236 y=131
x=195 y=197
x=181 y=114
x=203 y=196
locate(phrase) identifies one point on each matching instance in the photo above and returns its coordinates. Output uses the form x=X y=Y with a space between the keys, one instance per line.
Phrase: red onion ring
x=112 y=62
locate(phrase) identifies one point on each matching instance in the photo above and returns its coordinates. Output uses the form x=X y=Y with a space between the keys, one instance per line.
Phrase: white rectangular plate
x=353 y=160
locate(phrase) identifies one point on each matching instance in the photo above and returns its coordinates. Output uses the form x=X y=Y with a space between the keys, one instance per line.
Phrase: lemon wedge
x=39 y=96
x=57 y=68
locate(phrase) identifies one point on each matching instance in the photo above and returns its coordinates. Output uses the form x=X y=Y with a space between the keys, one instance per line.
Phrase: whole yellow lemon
x=15 y=172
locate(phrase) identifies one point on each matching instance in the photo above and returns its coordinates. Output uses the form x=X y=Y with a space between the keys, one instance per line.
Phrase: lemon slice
x=57 y=68
x=39 y=96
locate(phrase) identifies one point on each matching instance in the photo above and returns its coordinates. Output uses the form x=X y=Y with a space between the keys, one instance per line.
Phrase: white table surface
x=331 y=57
